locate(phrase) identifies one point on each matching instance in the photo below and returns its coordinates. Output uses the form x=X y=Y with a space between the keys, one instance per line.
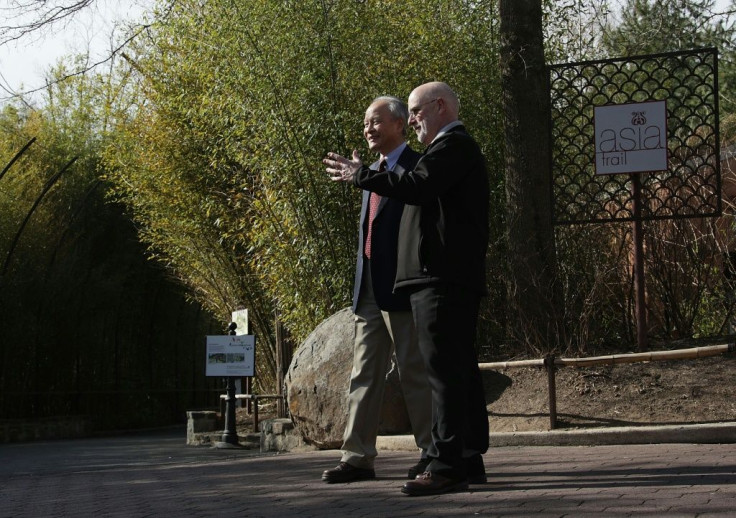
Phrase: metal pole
x=639 y=286
x=230 y=434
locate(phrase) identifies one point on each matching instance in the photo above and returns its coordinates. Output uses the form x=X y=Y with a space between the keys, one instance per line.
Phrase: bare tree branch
x=25 y=19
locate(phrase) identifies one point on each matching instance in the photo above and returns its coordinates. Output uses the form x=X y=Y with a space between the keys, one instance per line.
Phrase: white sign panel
x=231 y=355
x=631 y=138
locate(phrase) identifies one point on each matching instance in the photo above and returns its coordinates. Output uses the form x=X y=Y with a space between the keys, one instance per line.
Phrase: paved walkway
x=151 y=475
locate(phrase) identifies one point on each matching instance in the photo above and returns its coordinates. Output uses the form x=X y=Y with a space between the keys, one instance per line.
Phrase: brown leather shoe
x=344 y=472
x=419 y=468
x=429 y=483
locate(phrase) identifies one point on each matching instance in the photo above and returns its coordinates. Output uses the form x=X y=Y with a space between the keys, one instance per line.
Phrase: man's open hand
x=342 y=169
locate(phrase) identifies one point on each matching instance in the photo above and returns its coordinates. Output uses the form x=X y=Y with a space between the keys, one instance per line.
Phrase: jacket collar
x=446 y=129
x=453 y=127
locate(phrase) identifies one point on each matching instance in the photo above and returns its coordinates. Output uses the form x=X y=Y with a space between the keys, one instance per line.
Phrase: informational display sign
x=631 y=138
x=231 y=355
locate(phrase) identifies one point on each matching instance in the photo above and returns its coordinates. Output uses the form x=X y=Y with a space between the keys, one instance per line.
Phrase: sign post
x=632 y=138
x=231 y=356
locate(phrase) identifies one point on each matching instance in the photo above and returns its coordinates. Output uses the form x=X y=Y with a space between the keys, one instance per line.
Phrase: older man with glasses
x=443 y=239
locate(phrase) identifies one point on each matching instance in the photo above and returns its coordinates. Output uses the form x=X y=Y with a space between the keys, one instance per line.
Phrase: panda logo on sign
x=638 y=118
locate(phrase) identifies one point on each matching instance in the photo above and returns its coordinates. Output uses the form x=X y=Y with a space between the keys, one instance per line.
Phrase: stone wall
x=66 y=427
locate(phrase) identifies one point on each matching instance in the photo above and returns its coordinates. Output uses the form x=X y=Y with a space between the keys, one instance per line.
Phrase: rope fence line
x=551 y=363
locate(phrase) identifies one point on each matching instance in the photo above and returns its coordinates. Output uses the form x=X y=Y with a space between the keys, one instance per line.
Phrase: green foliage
x=239 y=102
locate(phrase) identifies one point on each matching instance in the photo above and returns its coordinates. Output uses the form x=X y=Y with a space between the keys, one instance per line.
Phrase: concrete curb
x=712 y=433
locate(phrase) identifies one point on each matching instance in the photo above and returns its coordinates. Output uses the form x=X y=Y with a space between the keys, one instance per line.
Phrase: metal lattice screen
x=691 y=186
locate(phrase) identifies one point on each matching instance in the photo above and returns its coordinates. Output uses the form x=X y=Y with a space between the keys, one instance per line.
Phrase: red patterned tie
x=373 y=202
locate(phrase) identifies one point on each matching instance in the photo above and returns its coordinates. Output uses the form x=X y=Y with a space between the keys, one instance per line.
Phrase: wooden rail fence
x=551 y=363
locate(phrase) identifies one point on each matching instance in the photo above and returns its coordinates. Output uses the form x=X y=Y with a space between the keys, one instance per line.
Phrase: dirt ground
x=662 y=392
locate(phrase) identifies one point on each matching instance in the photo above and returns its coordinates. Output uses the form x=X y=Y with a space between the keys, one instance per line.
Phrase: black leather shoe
x=419 y=468
x=344 y=472
x=476 y=470
x=429 y=483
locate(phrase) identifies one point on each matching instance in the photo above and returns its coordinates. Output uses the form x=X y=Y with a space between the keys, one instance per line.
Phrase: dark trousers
x=446 y=317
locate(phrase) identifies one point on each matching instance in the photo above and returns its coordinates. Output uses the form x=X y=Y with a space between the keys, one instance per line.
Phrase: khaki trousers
x=377 y=334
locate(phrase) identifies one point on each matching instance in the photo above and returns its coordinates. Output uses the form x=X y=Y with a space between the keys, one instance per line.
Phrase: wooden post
x=280 y=407
x=255 y=413
x=639 y=286
x=248 y=390
x=549 y=363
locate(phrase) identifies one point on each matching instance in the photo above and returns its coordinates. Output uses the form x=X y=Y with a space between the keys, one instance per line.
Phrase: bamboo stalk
x=510 y=365
x=614 y=359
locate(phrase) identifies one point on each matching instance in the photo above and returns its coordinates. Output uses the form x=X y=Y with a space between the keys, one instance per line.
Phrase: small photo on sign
x=631 y=138
x=217 y=358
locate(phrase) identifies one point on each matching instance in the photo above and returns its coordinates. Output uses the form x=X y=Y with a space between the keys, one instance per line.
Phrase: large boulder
x=318 y=381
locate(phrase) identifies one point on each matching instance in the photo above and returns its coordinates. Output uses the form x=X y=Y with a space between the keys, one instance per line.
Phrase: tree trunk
x=534 y=302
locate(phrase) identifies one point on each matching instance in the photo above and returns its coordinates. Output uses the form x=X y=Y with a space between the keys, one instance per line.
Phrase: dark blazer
x=443 y=235
x=384 y=241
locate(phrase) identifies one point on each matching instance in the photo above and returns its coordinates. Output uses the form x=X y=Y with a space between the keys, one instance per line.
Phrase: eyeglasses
x=415 y=111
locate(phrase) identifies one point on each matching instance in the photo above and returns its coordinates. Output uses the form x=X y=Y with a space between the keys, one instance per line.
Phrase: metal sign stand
x=230 y=434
